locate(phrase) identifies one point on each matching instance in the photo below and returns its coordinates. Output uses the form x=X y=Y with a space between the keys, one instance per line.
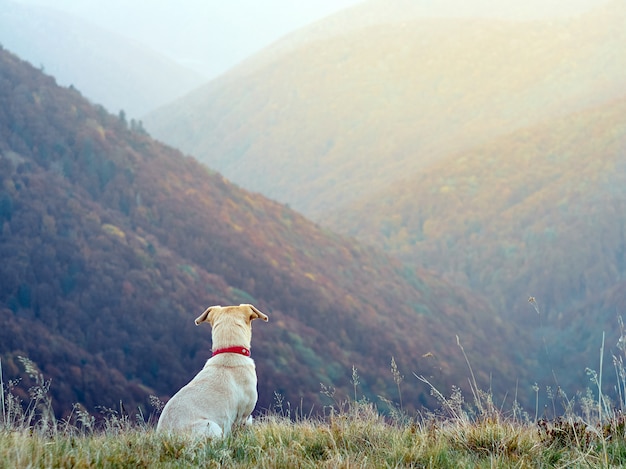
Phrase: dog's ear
x=206 y=316
x=255 y=313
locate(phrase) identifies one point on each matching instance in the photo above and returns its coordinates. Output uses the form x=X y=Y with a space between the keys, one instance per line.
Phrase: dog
x=224 y=392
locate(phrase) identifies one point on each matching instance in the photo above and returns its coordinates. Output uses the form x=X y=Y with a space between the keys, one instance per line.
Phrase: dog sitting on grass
x=224 y=392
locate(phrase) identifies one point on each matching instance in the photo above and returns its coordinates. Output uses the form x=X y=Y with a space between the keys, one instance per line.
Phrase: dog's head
x=232 y=325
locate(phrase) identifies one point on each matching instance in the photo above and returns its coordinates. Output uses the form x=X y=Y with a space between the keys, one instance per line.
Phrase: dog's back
x=224 y=392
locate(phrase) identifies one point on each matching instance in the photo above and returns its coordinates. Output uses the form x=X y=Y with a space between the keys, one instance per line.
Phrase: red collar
x=237 y=349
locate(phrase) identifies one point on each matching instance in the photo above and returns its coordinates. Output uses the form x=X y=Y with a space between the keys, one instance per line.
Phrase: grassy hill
x=539 y=213
x=113 y=243
x=334 y=118
x=109 y=69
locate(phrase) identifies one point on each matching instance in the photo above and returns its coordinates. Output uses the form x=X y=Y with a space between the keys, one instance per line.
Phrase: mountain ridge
x=109 y=69
x=112 y=243
x=337 y=118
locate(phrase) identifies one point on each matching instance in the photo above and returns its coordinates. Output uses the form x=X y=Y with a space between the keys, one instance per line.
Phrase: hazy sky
x=214 y=35
x=210 y=35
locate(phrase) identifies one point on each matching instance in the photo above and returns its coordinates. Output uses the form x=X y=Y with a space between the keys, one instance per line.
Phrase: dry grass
x=590 y=432
x=351 y=434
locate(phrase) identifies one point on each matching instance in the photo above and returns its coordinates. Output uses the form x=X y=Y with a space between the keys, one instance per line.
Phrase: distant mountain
x=109 y=69
x=540 y=212
x=112 y=243
x=330 y=117
x=377 y=11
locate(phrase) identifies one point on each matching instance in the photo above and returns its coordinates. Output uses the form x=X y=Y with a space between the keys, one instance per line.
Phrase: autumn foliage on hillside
x=113 y=243
x=537 y=213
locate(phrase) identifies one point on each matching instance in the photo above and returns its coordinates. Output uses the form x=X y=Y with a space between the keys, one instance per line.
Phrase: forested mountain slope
x=337 y=118
x=540 y=212
x=112 y=243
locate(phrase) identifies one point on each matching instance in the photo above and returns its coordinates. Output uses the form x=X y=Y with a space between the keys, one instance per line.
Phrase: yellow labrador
x=224 y=392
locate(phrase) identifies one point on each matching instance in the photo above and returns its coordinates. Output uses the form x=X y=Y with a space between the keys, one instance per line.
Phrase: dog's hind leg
x=206 y=429
x=213 y=430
